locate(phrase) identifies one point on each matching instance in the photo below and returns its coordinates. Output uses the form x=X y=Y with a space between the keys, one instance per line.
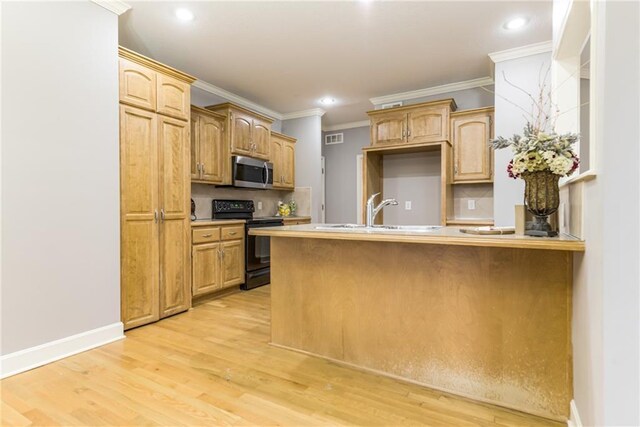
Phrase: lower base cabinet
x=217 y=258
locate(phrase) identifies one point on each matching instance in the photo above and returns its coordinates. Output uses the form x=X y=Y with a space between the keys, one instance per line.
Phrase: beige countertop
x=213 y=222
x=441 y=236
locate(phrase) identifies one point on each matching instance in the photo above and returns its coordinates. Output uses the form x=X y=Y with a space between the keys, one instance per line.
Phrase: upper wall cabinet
x=472 y=154
x=249 y=132
x=210 y=161
x=413 y=124
x=137 y=85
x=173 y=97
x=147 y=84
x=283 y=156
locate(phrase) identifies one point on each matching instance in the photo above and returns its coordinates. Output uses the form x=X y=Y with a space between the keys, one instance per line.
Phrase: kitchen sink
x=379 y=228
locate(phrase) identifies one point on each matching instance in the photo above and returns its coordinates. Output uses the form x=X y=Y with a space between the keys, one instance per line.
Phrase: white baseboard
x=574 y=417
x=29 y=358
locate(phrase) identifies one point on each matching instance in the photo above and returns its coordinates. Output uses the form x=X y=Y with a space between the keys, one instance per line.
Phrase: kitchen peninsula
x=486 y=317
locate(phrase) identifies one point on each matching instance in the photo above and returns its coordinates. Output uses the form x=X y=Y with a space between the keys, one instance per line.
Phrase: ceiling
x=287 y=55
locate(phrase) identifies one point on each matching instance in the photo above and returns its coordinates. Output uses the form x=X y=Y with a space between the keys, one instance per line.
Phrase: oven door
x=252 y=173
x=258 y=250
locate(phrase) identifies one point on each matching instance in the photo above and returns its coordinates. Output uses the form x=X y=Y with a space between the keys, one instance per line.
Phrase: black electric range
x=257 y=248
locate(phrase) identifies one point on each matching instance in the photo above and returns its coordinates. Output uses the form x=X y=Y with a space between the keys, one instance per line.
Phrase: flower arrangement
x=539 y=148
x=537 y=151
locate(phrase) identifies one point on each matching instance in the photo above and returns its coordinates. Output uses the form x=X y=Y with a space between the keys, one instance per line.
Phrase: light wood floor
x=213 y=366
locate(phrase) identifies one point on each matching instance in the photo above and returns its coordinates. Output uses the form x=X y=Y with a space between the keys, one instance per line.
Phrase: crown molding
x=116 y=6
x=304 y=113
x=237 y=99
x=349 y=125
x=435 y=90
x=522 y=51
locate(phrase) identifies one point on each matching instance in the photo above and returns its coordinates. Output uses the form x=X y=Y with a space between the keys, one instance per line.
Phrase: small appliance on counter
x=193 y=211
x=257 y=249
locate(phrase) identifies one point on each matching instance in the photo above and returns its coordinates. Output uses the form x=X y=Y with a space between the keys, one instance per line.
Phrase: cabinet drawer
x=233 y=232
x=206 y=235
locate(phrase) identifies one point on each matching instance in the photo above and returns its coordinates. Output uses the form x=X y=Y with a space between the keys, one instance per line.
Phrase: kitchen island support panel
x=492 y=324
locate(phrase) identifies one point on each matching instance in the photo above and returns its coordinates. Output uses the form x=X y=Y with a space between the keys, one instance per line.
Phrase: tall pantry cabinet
x=154 y=189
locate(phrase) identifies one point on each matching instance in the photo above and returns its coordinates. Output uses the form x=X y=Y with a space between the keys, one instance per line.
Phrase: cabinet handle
x=219 y=254
x=155 y=215
x=408 y=132
x=207 y=235
x=222 y=254
x=233 y=233
x=162 y=216
x=404 y=133
x=202 y=168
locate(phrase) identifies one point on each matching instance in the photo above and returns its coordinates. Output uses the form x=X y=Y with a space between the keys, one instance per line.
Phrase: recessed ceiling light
x=184 y=14
x=327 y=100
x=516 y=23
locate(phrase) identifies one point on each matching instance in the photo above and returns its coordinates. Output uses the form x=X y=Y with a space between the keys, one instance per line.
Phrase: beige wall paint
x=60 y=184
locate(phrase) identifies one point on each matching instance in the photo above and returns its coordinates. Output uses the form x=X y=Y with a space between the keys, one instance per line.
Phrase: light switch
x=471 y=204
x=407 y=205
x=259 y=206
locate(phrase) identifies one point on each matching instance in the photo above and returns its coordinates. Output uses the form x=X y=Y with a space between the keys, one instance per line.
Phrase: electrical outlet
x=407 y=205
x=471 y=204
x=259 y=206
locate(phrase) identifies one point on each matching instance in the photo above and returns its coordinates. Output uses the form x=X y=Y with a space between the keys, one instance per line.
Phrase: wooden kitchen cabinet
x=232 y=263
x=205 y=268
x=210 y=161
x=217 y=257
x=283 y=157
x=249 y=132
x=137 y=85
x=472 y=130
x=152 y=86
x=174 y=97
x=423 y=123
x=154 y=199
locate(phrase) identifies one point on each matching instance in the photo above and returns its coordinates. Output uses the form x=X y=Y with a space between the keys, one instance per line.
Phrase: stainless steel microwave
x=248 y=172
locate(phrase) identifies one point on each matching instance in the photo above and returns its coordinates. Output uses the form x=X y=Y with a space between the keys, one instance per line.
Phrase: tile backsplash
x=483 y=196
x=203 y=194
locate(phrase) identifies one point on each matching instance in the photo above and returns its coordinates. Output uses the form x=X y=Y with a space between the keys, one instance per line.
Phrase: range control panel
x=232 y=206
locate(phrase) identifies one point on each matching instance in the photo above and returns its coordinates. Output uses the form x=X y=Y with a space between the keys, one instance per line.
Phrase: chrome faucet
x=372 y=212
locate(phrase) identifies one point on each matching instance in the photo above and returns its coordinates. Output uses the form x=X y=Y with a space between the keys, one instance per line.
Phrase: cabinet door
x=195 y=146
x=261 y=138
x=213 y=157
x=175 y=230
x=277 y=151
x=174 y=97
x=427 y=125
x=139 y=217
x=137 y=85
x=388 y=129
x=241 y=125
x=471 y=150
x=232 y=263
x=206 y=268
x=288 y=165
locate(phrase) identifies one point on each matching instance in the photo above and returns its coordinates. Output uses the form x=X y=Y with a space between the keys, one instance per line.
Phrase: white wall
x=60 y=178
x=308 y=132
x=606 y=333
x=509 y=119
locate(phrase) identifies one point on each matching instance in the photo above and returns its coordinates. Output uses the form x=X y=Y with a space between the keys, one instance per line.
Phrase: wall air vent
x=391 y=105
x=333 y=138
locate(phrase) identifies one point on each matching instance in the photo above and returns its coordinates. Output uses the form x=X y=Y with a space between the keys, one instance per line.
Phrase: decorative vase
x=542 y=198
